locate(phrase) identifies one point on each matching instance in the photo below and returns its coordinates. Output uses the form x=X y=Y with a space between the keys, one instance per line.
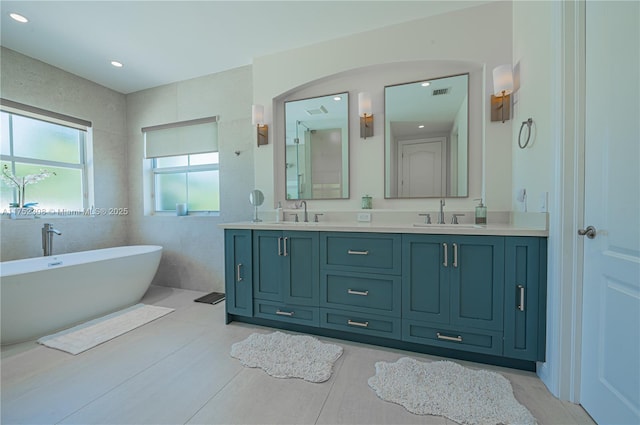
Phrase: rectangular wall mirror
x=426 y=138
x=317 y=147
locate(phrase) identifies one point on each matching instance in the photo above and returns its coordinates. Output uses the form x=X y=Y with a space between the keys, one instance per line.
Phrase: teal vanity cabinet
x=525 y=298
x=238 y=272
x=453 y=291
x=285 y=276
x=360 y=284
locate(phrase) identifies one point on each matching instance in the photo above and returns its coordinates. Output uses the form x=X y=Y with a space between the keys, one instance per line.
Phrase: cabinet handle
x=285 y=247
x=279 y=246
x=445 y=249
x=352 y=292
x=361 y=324
x=238 y=277
x=449 y=338
x=455 y=255
x=521 y=305
x=352 y=252
x=284 y=313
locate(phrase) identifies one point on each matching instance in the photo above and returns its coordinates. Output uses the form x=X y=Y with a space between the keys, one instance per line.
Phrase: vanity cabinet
x=480 y=295
x=360 y=284
x=453 y=289
x=525 y=298
x=238 y=272
x=286 y=276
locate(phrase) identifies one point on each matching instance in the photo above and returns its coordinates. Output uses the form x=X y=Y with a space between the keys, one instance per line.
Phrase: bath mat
x=445 y=388
x=288 y=356
x=212 y=298
x=87 y=335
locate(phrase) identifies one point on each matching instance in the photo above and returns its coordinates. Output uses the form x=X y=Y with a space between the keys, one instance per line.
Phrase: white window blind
x=181 y=138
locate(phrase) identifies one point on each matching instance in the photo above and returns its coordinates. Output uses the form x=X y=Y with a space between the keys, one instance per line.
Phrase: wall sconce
x=502 y=89
x=257 y=119
x=366 y=115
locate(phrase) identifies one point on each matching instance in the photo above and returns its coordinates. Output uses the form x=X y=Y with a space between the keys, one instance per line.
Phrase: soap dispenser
x=481 y=212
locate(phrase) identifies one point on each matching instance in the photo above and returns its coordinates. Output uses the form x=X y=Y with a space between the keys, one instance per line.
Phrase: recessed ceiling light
x=117 y=64
x=425 y=84
x=337 y=98
x=421 y=126
x=18 y=17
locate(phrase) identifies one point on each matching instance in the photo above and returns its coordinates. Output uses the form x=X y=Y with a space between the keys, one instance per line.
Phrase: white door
x=610 y=375
x=421 y=167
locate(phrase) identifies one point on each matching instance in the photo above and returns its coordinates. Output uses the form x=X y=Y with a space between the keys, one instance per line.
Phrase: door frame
x=562 y=371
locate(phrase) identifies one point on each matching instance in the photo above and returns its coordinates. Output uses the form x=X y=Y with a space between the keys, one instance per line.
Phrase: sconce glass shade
x=364 y=104
x=257 y=114
x=502 y=80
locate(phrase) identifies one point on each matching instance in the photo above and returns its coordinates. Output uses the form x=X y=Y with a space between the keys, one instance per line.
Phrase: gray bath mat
x=212 y=298
x=444 y=388
x=288 y=356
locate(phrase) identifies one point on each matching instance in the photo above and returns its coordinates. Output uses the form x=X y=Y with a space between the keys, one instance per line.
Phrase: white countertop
x=499 y=229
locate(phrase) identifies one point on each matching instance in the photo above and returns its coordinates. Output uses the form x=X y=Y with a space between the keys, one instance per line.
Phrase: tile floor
x=177 y=370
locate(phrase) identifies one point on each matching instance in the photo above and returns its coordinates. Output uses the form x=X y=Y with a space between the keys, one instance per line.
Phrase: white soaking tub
x=46 y=294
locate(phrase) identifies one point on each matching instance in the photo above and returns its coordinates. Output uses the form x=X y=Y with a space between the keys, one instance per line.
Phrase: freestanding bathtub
x=45 y=294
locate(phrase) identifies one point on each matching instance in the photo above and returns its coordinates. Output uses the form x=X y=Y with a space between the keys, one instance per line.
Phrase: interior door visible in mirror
x=426 y=138
x=317 y=147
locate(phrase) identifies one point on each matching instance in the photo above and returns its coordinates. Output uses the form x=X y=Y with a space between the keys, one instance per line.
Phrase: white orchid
x=21 y=182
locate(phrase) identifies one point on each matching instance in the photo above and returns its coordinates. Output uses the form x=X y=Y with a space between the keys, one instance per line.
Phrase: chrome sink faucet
x=47 y=238
x=306 y=216
x=441 y=213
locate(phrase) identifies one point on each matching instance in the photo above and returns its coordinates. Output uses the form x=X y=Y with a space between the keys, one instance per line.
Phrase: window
x=190 y=179
x=35 y=141
x=184 y=165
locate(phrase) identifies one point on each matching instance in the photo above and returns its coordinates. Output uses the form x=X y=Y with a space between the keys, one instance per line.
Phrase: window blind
x=181 y=138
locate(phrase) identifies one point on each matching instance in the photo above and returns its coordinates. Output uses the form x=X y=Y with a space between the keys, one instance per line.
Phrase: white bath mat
x=288 y=356
x=447 y=389
x=87 y=335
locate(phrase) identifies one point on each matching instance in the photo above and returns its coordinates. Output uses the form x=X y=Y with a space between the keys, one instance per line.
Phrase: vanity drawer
x=486 y=342
x=363 y=252
x=367 y=324
x=301 y=315
x=361 y=292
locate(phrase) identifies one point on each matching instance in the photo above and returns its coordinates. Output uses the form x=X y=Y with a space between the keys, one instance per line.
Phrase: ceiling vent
x=440 y=92
x=318 y=111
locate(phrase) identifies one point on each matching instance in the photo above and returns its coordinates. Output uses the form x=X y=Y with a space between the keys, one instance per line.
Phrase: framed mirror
x=317 y=147
x=426 y=138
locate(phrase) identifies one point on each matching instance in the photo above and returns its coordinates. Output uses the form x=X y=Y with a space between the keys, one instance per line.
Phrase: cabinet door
x=301 y=268
x=267 y=265
x=524 y=294
x=238 y=272
x=477 y=281
x=425 y=279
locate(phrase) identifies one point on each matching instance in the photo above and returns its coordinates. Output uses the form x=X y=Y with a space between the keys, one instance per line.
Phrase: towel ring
x=528 y=123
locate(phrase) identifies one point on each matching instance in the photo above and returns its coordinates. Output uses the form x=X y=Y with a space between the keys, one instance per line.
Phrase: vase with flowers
x=23 y=209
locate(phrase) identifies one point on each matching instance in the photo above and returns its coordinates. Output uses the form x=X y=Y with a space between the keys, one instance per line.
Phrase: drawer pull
x=352 y=252
x=238 y=277
x=285 y=247
x=361 y=324
x=445 y=250
x=352 y=292
x=449 y=338
x=284 y=313
x=521 y=305
x=280 y=246
x=455 y=255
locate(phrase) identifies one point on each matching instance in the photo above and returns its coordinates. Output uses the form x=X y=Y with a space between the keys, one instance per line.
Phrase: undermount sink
x=448 y=226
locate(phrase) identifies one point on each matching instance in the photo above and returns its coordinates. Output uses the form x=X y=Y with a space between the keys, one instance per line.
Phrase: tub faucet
x=441 y=213
x=47 y=238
